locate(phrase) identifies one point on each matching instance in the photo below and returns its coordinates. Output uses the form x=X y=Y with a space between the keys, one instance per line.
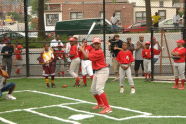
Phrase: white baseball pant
x=147 y=65
x=74 y=67
x=86 y=67
x=123 y=73
x=99 y=80
x=179 y=70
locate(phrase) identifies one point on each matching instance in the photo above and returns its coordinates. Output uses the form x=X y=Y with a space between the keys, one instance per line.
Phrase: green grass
x=155 y=98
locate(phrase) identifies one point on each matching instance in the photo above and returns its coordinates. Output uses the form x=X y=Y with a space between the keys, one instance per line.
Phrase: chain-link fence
x=127 y=18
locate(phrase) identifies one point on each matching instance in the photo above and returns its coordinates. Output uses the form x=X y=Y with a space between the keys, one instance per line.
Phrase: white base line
x=52 y=117
x=6 y=121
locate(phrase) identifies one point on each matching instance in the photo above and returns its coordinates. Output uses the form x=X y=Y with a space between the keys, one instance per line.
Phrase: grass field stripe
x=102 y=115
x=6 y=121
x=69 y=98
x=52 y=117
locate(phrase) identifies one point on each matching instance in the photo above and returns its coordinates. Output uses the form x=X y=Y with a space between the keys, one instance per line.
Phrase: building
x=58 y=10
x=165 y=8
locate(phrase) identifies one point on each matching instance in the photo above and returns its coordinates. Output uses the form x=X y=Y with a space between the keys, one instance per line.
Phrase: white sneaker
x=121 y=90
x=10 y=97
x=132 y=91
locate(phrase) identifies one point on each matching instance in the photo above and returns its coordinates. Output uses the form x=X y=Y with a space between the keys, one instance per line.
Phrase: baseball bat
x=91 y=29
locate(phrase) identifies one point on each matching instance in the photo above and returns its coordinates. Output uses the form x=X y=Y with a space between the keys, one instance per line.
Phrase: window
x=118 y=15
x=162 y=14
x=161 y=3
x=51 y=19
x=52 y=7
x=101 y=14
x=141 y=15
x=76 y=15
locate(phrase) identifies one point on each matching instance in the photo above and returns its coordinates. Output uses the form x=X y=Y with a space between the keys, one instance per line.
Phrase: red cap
x=180 y=41
x=19 y=46
x=96 y=40
x=72 y=39
x=147 y=42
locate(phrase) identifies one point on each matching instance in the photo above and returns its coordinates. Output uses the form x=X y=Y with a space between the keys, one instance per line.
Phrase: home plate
x=80 y=117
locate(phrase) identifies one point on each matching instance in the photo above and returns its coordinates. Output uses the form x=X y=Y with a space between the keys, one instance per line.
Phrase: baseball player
x=75 y=61
x=125 y=58
x=146 y=53
x=100 y=76
x=49 y=64
x=86 y=65
x=18 y=58
x=179 y=64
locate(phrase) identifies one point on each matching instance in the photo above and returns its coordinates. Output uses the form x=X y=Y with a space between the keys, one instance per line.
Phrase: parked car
x=141 y=26
x=82 y=26
x=17 y=35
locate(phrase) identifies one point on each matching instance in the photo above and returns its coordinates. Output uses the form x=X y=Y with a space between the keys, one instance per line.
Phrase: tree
x=41 y=24
x=148 y=13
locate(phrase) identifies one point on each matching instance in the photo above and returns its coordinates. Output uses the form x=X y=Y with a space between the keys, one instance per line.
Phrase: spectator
x=130 y=45
x=7 y=52
x=138 y=56
x=114 y=20
x=176 y=20
x=18 y=58
x=1 y=46
x=6 y=86
x=115 y=43
x=155 y=19
x=55 y=42
x=157 y=50
x=6 y=39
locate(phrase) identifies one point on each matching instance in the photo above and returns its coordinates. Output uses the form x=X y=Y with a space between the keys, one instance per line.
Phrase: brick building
x=58 y=10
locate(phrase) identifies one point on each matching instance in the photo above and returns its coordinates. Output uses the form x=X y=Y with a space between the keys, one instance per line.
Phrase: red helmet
x=96 y=40
x=72 y=39
x=19 y=47
x=147 y=42
x=180 y=41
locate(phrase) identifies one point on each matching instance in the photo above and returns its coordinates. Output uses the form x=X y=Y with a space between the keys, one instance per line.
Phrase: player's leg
x=90 y=70
x=77 y=67
x=130 y=80
x=9 y=66
x=121 y=79
x=142 y=66
x=115 y=68
x=94 y=93
x=58 y=66
x=149 y=69
x=46 y=74
x=84 y=72
x=181 y=69
x=102 y=77
x=10 y=88
x=52 y=67
x=62 y=67
x=72 y=69
x=146 y=69
x=176 y=75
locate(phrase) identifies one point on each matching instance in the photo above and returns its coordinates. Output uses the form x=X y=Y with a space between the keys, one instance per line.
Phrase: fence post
x=104 y=28
x=184 y=28
x=152 y=54
x=26 y=37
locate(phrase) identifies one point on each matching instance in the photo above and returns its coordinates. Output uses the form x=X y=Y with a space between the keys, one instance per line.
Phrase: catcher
x=6 y=86
x=49 y=64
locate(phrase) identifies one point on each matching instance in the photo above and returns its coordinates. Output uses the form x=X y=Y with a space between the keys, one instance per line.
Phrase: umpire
x=7 y=52
x=115 y=42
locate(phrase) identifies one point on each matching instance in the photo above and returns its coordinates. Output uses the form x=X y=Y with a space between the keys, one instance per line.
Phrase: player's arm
x=138 y=46
x=83 y=52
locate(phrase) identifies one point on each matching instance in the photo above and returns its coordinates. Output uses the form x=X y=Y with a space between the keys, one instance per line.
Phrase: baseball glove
x=4 y=73
x=65 y=86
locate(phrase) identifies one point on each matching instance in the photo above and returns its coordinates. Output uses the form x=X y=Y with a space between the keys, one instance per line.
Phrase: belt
x=148 y=58
x=101 y=68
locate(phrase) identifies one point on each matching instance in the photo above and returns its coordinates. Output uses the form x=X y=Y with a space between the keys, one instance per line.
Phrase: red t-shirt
x=125 y=57
x=59 y=54
x=146 y=53
x=156 y=52
x=97 y=58
x=74 y=52
x=87 y=49
x=18 y=54
x=181 y=51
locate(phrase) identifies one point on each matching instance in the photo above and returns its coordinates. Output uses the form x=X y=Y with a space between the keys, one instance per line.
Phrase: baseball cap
x=96 y=40
x=147 y=42
x=180 y=41
x=19 y=46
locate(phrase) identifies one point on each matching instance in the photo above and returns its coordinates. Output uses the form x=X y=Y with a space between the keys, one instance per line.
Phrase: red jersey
x=146 y=53
x=74 y=52
x=87 y=49
x=181 y=51
x=125 y=57
x=59 y=54
x=18 y=54
x=97 y=58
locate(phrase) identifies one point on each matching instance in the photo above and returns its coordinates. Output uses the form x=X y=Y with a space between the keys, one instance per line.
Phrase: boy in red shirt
x=125 y=58
x=179 y=64
x=86 y=65
x=100 y=77
x=75 y=63
x=18 y=58
x=146 y=53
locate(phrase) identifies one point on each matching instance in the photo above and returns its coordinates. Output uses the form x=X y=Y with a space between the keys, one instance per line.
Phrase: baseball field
x=153 y=103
